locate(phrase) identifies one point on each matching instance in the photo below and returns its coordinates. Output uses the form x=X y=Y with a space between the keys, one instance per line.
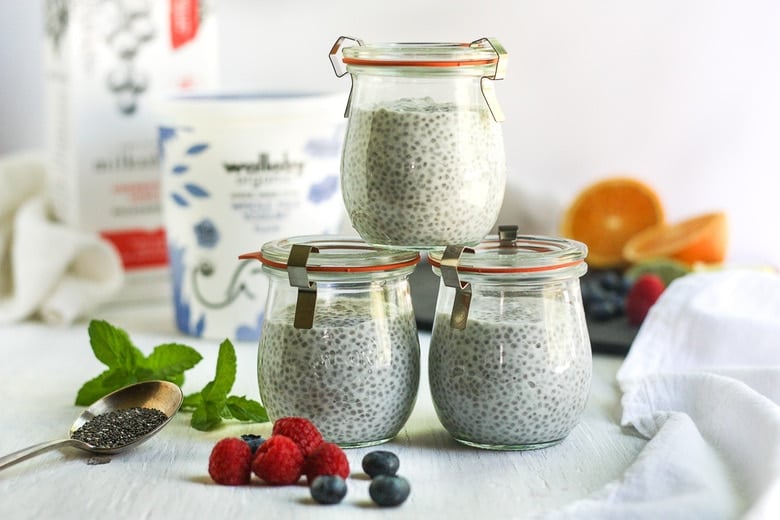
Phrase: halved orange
x=702 y=238
x=606 y=214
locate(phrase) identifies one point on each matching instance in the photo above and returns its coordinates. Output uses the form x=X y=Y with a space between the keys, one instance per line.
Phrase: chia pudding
x=354 y=374
x=417 y=173
x=520 y=381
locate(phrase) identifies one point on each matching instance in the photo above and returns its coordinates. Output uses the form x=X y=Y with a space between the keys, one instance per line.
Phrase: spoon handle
x=32 y=451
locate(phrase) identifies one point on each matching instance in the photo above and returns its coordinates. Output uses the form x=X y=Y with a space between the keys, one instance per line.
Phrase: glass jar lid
x=485 y=58
x=333 y=254
x=486 y=55
x=310 y=260
x=524 y=254
x=479 y=53
x=502 y=258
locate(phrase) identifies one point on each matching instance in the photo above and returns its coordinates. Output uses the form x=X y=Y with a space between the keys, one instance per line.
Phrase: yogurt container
x=236 y=170
x=510 y=361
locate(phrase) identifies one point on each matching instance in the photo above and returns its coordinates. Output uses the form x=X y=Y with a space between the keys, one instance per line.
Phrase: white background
x=684 y=94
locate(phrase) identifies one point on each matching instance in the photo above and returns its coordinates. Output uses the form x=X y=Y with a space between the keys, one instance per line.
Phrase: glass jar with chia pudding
x=339 y=342
x=510 y=361
x=423 y=163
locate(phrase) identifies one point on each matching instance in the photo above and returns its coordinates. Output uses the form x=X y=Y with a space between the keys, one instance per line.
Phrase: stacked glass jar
x=423 y=168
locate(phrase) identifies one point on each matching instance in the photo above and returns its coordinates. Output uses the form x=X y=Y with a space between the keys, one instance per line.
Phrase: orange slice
x=700 y=239
x=607 y=214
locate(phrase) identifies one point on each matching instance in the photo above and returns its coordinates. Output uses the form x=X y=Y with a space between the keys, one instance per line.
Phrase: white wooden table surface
x=41 y=369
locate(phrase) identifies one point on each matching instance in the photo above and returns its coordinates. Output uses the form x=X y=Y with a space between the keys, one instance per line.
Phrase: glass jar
x=339 y=342
x=423 y=164
x=510 y=361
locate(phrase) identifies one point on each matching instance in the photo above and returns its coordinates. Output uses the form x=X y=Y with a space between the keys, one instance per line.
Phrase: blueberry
x=592 y=292
x=328 y=489
x=254 y=441
x=603 y=295
x=588 y=287
x=380 y=462
x=603 y=310
x=619 y=301
x=612 y=281
x=625 y=286
x=389 y=490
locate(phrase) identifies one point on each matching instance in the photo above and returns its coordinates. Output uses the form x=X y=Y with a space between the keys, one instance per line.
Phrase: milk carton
x=107 y=64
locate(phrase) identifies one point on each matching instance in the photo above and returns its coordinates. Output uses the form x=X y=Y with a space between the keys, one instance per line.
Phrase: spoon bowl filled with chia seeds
x=118 y=421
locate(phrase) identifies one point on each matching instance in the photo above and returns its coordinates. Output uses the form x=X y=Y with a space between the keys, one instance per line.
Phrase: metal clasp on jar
x=449 y=275
x=507 y=234
x=307 y=290
x=485 y=83
x=339 y=69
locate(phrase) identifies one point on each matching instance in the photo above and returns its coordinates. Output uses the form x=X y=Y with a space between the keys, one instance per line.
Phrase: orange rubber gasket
x=510 y=270
x=542 y=247
x=417 y=63
x=332 y=268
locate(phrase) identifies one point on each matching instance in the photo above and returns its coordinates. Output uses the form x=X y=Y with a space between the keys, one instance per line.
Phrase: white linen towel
x=702 y=382
x=46 y=268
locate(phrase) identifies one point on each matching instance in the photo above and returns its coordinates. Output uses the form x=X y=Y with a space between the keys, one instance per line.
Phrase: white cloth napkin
x=702 y=382
x=46 y=268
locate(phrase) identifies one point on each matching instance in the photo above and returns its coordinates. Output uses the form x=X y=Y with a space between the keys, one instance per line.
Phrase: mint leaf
x=225 y=375
x=112 y=345
x=245 y=409
x=92 y=390
x=119 y=377
x=213 y=404
x=108 y=381
x=191 y=402
x=205 y=393
x=206 y=417
x=170 y=360
x=208 y=414
x=177 y=379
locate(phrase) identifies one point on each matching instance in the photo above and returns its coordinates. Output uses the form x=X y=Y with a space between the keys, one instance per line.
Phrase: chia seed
x=417 y=173
x=354 y=374
x=98 y=460
x=518 y=382
x=119 y=428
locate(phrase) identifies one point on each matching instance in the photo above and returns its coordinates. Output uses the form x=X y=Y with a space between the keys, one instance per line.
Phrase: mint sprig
x=127 y=364
x=213 y=404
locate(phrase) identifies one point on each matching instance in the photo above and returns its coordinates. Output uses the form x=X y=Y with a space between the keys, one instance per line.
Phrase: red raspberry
x=230 y=462
x=278 y=461
x=301 y=430
x=642 y=295
x=326 y=459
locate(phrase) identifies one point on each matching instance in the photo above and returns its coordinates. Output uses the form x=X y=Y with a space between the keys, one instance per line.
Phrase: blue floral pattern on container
x=195 y=149
x=249 y=332
x=164 y=134
x=326 y=146
x=182 y=306
x=178 y=199
x=191 y=189
x=323 y=190
x=196 y=191
x=206 y=233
